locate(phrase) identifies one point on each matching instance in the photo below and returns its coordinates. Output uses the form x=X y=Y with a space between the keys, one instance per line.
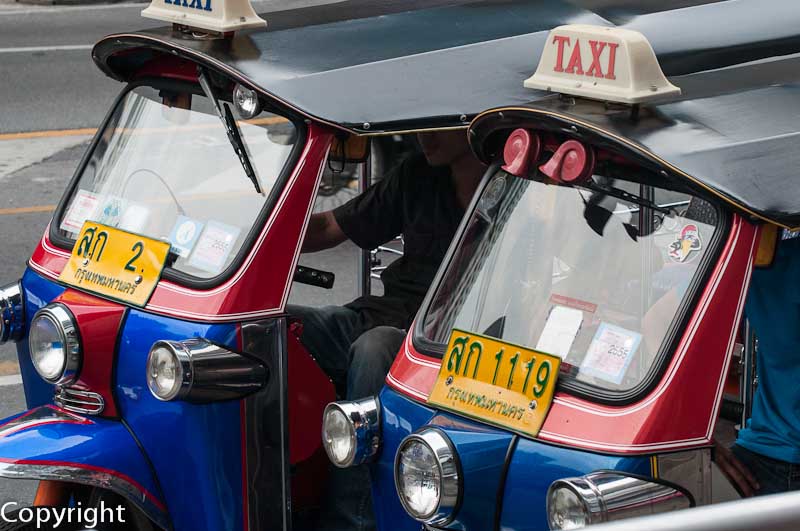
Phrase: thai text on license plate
x=496 y=382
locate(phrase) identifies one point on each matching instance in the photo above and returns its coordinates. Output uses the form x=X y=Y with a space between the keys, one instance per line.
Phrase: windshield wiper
x=231 y=128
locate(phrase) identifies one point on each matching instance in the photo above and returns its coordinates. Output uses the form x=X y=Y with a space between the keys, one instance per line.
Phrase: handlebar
x=314 y=277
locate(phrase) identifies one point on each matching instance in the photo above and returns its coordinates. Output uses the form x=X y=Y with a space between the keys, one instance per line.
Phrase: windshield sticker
x=134 y=217
x=213 y=247
x=610 y=353
x=573 y=303
x=110 y=211
x=83 y=206
x=184 y=235
x=560 y=331
x=684 y=247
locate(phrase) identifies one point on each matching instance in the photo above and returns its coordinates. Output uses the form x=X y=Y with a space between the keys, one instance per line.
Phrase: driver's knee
x=371 y=356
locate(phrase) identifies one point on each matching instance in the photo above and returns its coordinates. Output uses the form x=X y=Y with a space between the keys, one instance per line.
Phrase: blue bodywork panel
x=482 y=451
x=196 y=449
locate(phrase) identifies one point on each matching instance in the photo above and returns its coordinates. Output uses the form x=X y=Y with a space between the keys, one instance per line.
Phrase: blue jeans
x=357 y=361
x=773 y=476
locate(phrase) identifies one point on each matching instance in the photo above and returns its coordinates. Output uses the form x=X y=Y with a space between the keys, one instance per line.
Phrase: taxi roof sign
x=213 y=15
x=602 y=63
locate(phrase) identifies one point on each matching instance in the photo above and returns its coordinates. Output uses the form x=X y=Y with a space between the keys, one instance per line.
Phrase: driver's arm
x=323 y=232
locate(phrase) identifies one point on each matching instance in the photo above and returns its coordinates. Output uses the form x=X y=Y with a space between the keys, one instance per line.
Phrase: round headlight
x=566 y=510
x=246 y=102
x=427 y=477
x=165 y=371
x=54 y=345
x=338 y=436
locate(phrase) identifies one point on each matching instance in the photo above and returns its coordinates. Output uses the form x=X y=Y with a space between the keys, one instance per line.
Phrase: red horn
x=520 y=148
x=571 y=163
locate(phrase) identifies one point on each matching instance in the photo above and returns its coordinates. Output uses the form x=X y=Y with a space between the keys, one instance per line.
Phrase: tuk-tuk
x=161 y=371
x=568 y=364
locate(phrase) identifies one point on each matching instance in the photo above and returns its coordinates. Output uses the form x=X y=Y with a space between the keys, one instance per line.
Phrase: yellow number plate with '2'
x=115 y=264
x=496 y=382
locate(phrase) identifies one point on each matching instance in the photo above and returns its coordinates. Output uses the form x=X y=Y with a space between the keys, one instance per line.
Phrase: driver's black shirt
x=418 y=201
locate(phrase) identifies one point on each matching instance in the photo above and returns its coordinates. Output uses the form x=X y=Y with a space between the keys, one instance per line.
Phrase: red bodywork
x=690 y=388
x=98 y=323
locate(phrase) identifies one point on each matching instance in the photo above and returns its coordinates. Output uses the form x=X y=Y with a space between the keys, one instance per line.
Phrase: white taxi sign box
x=213 y=15
x=608 y=64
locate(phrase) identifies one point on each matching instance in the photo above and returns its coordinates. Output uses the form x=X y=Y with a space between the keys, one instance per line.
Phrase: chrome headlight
x=351 y=431
x=574 y=503
x=427 y=477
x=199 y=371
x=55 y=345
x=246 y=102
x=12 y=315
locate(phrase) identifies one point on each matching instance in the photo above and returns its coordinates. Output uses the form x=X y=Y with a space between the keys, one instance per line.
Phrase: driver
x=423 y=199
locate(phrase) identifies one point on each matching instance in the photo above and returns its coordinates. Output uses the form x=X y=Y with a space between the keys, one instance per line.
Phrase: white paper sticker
x=185 y=234
x=134 y=217
x=214 y=246
x=560 y=330
x=82 y=208
x=610 y=353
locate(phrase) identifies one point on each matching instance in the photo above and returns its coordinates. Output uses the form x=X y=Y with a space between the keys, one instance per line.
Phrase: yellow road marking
x=47 y=134
x=8 y=367
x=26 y=210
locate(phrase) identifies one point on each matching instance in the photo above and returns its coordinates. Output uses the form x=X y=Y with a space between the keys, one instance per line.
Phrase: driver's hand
x=738 y=474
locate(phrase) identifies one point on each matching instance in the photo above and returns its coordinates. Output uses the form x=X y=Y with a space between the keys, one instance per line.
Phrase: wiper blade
x=231 y=128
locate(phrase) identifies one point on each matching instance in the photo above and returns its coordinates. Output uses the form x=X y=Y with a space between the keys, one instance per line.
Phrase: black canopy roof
x=376 y=67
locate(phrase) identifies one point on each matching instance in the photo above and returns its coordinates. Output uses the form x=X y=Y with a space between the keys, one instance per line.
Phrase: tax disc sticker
x=109 y=211
x=185 y=234
x=212 y=249
x=83 y=206
x=610 y=353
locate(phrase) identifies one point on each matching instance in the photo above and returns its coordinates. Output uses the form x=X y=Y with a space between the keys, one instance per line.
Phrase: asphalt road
x=48 y=84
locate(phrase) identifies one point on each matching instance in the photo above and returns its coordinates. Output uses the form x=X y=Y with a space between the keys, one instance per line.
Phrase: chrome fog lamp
x=199 y=371
x=574 y=503
x=427 y=476
x=246 y=102
x=351 y=431
x=54 y=343
x=12 y=315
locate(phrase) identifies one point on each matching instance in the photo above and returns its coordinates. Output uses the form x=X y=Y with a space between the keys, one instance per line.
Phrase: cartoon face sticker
x=686 y=244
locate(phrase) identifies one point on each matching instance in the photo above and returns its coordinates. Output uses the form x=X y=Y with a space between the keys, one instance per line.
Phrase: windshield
x=592 y=278
x=165 y=168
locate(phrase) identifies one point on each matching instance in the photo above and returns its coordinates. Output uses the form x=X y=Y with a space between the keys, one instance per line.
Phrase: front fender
x=48 y=443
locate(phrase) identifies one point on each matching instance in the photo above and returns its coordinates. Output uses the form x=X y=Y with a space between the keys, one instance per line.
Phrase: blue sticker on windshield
x=185 y=234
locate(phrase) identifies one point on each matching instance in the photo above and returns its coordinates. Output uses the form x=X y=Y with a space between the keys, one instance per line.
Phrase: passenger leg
x=348 y=505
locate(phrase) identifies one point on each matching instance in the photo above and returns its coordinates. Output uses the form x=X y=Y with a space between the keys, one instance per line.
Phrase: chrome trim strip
x=91 y=477
x=72 y=400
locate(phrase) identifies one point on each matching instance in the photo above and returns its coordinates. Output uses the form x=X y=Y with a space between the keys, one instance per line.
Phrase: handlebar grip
x=314 y=277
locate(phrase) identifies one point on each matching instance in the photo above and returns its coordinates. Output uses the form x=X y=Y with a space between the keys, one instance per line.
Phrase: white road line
x=12 y=379
x=61 y=48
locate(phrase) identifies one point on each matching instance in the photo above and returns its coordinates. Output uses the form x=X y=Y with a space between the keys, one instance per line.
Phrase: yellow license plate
x=115 y=264
x=496 y=382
